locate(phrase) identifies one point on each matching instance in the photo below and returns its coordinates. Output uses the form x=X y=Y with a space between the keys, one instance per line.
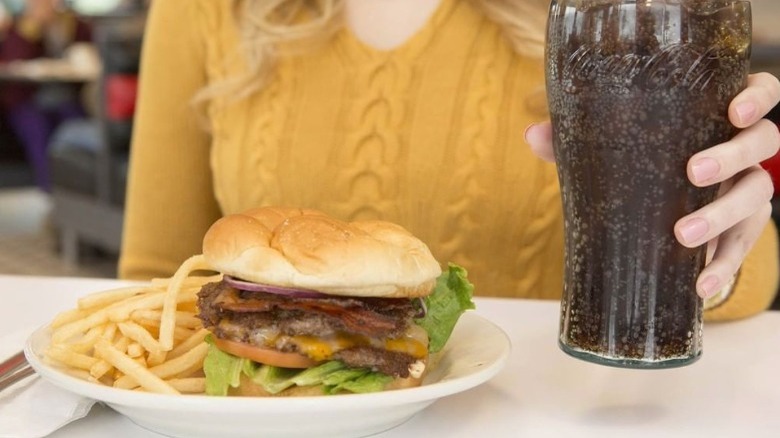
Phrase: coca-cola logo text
x=677 y=65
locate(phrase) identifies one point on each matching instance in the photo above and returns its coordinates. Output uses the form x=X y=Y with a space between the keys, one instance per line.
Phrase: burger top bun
x=307 y=249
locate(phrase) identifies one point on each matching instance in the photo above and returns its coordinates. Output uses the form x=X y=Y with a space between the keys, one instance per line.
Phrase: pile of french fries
x=145 y=338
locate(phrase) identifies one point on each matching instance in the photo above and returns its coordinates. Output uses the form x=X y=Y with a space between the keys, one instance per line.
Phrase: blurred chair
x=89 y=158
x=14 y=169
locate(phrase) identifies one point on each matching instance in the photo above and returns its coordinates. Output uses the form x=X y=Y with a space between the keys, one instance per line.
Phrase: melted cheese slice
x=413 y=342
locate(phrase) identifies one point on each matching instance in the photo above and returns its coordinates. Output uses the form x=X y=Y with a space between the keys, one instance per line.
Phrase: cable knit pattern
x=372 y=147
x=211 y=20
x=376 y=122
x=475 y=146
x=428 y=135
x=252 y=149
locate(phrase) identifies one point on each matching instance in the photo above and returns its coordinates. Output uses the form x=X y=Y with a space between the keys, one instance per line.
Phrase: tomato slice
x=267 y=356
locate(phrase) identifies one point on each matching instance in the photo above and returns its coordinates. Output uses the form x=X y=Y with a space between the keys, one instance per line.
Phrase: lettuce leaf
x=450 y=298
x=334 y=376
x=364 y=382
x=275 y=379
x=222 y=370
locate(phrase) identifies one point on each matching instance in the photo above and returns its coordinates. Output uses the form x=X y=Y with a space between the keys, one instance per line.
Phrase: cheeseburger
x=309 y=304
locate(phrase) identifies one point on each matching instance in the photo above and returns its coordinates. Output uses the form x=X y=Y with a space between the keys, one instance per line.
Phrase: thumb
x=539 y=138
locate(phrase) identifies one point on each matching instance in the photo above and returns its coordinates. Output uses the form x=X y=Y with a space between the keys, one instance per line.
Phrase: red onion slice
x=272 y=289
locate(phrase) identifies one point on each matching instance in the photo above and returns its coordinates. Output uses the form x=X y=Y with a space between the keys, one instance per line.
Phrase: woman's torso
x=428 y=135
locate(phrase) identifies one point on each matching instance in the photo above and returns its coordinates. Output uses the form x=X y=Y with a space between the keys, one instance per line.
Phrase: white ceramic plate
x=476 y=352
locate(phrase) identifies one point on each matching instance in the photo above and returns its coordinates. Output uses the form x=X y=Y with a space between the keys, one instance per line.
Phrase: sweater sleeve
x=170 y=199
x=756 y=284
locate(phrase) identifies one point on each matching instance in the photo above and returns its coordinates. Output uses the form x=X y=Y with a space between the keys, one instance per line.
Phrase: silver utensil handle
x=13 y=370
x=12 y=364
x=15 y=377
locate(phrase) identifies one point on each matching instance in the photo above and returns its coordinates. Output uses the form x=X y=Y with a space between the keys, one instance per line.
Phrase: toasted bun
x=308 y=249
x=248 y=388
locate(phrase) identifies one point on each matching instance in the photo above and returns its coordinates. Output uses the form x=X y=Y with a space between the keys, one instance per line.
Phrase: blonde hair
x=269 y=28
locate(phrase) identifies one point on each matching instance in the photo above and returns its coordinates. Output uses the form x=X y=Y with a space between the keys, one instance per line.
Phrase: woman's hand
x=737 y=217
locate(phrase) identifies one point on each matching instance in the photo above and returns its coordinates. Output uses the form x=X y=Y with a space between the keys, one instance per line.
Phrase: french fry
x=153 y=300
x=86 y=343
x=182 y=366
x=116 y=375
x=119 y=311
x=168 y=318
x=189 y=307
x=180 y=334
x=183 y=319
x=70 y=330
x=67 y=317
x=135 y=350
x=189 y=385
x=122 y=310
x=103 y=299
x=143 y=376
x=105 y=381
x=122 y=343
x=109 y=331
x=139 y=335
x=156 y=358
x=101 y=368
x=188 y=344
x=79 y=374
x=70 y=358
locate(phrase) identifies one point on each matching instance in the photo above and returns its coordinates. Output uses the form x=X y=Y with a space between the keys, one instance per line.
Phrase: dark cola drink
x=635 y=88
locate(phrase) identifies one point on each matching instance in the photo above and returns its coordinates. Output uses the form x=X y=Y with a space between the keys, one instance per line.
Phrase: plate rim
x=143 y=400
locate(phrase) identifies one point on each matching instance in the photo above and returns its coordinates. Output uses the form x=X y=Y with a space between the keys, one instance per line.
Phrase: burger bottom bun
x=247 y=388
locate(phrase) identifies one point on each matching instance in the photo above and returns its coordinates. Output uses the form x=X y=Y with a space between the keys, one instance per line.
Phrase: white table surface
x=732 y=391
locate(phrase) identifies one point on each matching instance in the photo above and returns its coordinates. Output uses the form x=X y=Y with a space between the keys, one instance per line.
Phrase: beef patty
x=252 y=317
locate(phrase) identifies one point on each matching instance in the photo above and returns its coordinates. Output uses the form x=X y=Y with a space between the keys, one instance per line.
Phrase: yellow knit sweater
x=428 y=135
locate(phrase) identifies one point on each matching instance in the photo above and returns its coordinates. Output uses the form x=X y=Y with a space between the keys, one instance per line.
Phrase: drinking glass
x=635 y=88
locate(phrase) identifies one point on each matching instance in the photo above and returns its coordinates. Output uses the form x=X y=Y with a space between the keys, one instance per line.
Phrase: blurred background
x=68 y=82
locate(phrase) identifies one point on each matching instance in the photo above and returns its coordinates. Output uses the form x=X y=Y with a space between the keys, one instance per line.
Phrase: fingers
x=733 y=246
x=750 y=194
x=751 y=105
x=737 y=218
x=751 y=146
x=539 y=137
x=759 y=140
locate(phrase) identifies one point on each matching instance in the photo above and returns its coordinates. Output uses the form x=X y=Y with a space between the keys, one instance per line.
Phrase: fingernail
x=705 y=169
x=525 y=133
x=746 y=112
x=709 y=286
x=693 y=230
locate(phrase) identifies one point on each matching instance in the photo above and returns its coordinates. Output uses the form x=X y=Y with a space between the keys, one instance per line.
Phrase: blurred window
x=93 y=7
x=13 y=7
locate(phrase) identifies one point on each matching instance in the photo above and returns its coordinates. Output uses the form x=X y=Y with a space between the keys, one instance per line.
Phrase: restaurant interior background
x=68 y=221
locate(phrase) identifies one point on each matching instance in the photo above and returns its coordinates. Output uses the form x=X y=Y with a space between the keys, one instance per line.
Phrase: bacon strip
x=354 y=314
